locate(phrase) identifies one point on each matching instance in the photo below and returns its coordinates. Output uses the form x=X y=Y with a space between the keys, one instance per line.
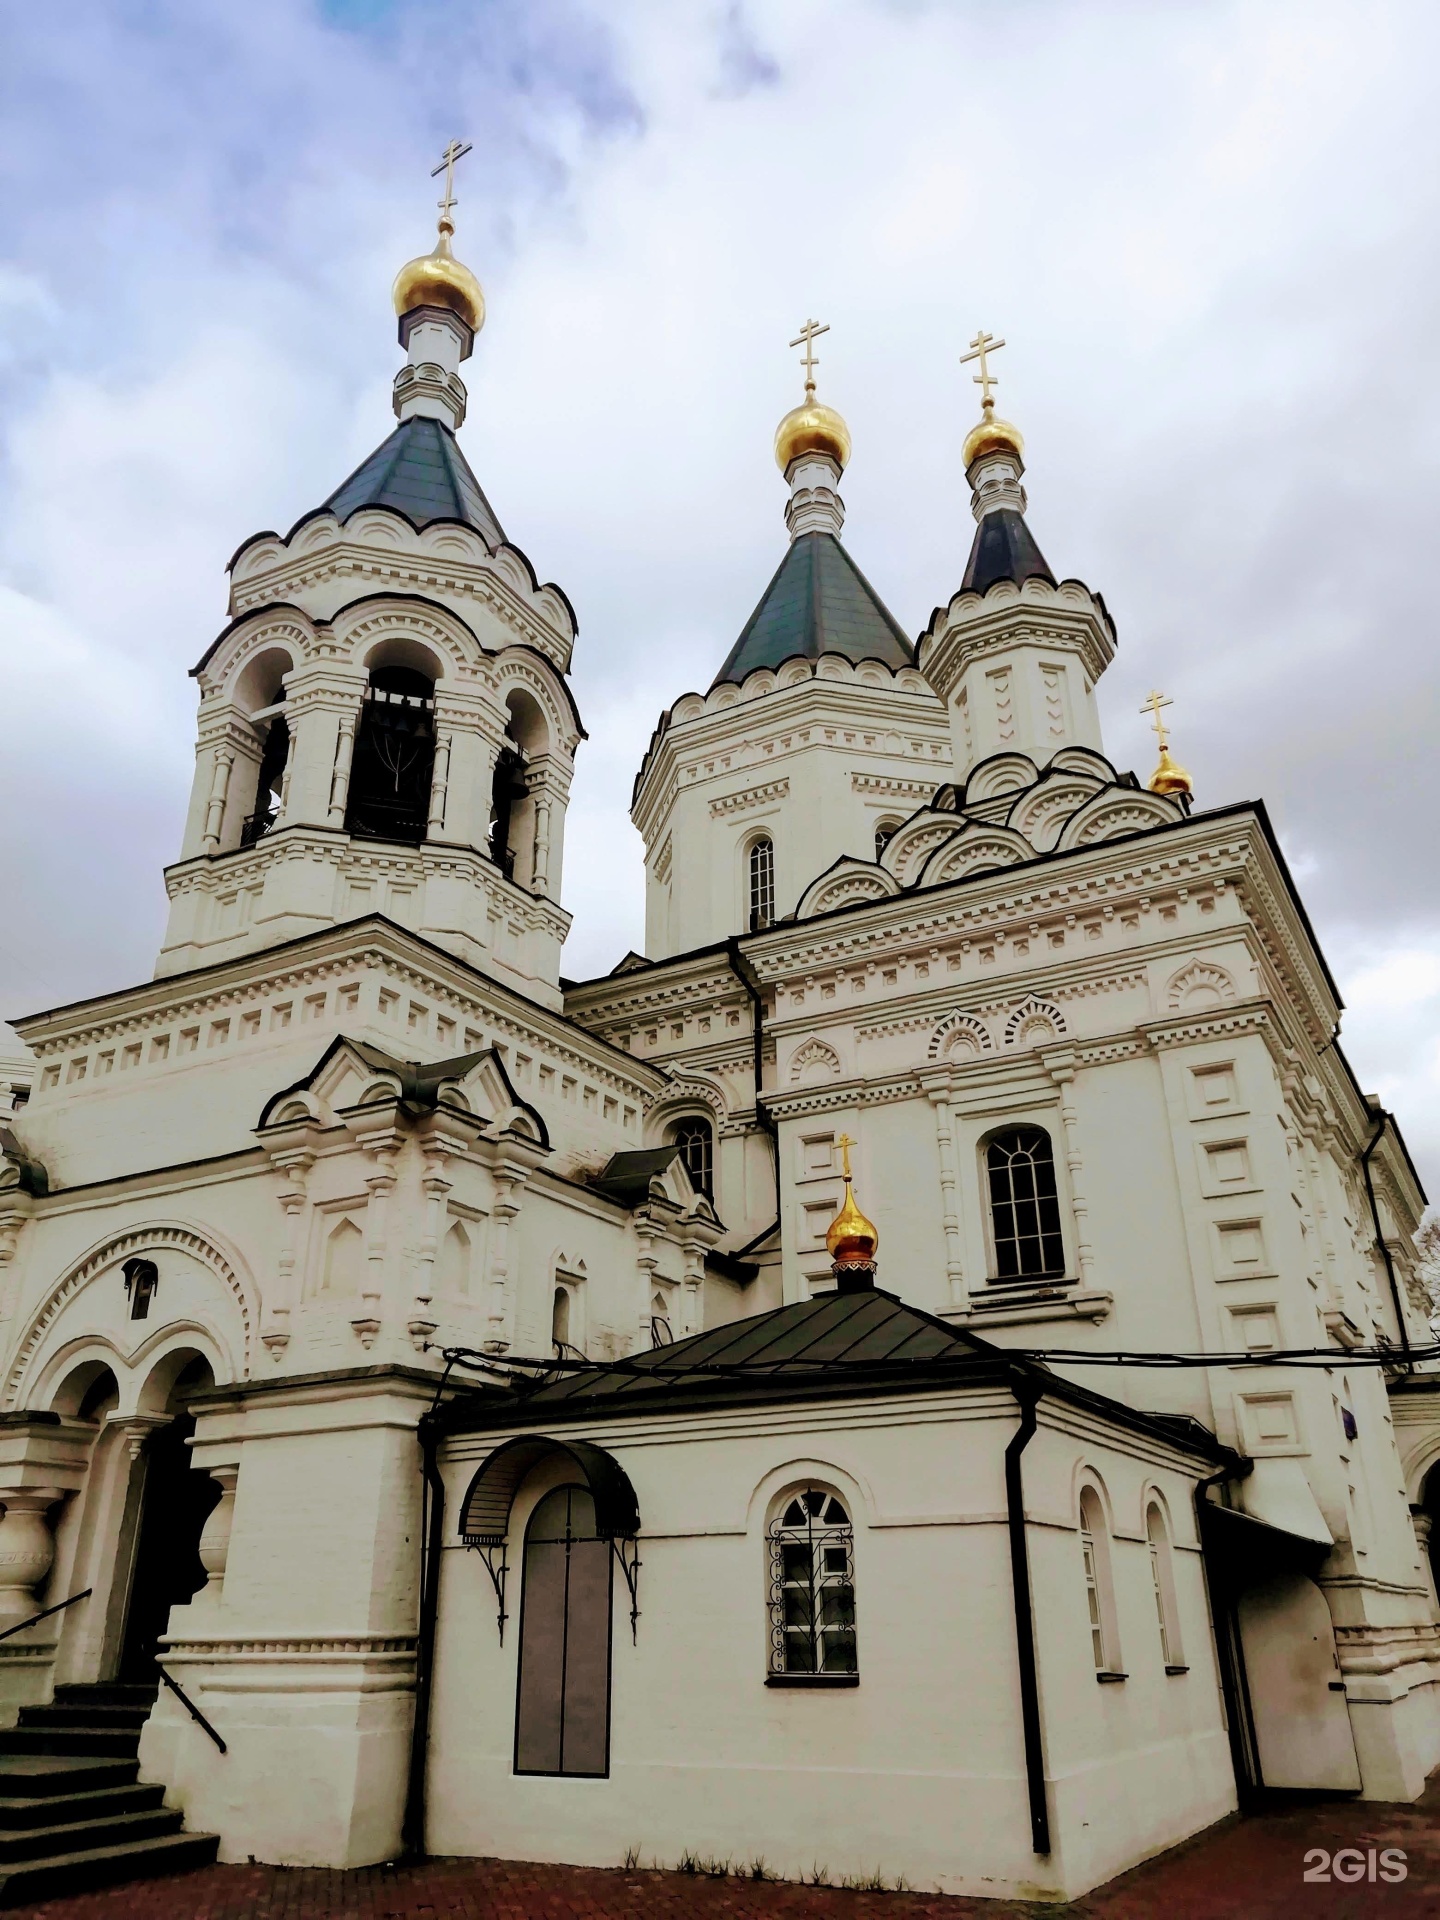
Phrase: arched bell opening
x=260 y=692
x=174 y=1502
x=394 y=758
x=513 y=796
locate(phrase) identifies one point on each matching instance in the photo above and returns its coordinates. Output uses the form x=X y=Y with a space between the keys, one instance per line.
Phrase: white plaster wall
x=919 y=1769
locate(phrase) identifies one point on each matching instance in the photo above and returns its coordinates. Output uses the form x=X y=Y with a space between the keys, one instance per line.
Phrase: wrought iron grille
x=812 y=1586
x=1024 y=1206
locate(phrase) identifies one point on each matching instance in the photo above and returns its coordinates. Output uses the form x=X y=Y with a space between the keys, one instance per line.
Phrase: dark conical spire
x=818 y=602
x=1003 y=549
x=420 y=472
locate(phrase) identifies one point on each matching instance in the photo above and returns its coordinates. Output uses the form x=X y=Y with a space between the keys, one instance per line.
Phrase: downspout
x=1230 y=1654
x=745 y=974
x=412 y=1832
x=1028 y=1392
x=1385 y=1253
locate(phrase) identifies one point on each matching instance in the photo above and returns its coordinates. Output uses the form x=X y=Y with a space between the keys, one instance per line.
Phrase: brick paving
x=1241 y=1870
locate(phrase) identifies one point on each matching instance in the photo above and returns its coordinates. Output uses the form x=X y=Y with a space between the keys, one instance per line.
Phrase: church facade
x=480 y=1391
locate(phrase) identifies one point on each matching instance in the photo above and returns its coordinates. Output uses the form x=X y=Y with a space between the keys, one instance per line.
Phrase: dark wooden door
x=562 y=1714
x=176 y=1504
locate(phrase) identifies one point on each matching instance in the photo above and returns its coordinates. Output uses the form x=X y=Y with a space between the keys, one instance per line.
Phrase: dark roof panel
x=1003 y=549
x=421 y=472
x=818 y=602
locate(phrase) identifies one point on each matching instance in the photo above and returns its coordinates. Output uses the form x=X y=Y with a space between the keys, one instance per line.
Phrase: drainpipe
x=745 y=974
x=412 y=1832
x=1028 y=1392
x=1385 y=1254
x=1230 y=1654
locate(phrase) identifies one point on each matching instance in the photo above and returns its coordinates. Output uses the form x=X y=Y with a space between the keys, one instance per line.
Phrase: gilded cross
x=1153 y=703
x=982 y=345
x=807 y=336
x=456 y=150
x=845 y=1143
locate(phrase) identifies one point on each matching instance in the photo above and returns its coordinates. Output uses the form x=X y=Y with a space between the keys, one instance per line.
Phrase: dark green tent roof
x=421 y=472
x=818 y=602
x=1003 y=549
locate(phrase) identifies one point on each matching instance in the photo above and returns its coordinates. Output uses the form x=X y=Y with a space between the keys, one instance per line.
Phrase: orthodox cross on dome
x=845 y=1143
x=807 y=336
x=456 y=150
x=981 y=346
x=1153 y=703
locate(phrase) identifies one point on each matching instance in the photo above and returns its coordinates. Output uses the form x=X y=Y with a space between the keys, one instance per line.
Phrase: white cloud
x=1207 y=232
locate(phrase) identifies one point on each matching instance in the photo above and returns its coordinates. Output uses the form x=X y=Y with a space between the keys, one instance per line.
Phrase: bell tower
x=386 y=723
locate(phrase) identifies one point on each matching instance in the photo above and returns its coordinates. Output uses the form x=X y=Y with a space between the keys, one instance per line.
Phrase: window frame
x=1047 y=1276
x=1098 y=1570
x=1162 y=1577
x=706 y=1184
x=783 y=1546
x=766 y=886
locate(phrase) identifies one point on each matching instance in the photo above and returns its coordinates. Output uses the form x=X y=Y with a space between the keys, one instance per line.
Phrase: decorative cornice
x=751 y=797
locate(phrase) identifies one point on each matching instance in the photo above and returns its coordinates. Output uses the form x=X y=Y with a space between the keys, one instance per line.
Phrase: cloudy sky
x=1207 y=229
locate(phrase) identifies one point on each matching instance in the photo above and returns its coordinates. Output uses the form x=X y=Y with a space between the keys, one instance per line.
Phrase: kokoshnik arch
x=1075 y=1029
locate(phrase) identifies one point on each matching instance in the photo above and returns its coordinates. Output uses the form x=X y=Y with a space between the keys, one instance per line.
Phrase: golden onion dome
x=812 y=427
x=438 y=279
x=851 y=1238
x=990 y=435
x=1170 y=778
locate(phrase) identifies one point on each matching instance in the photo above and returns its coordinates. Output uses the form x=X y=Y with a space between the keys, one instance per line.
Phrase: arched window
x=508 y=789
x=1099 y=1587
x=394 y=757
x=762 y=883
x=812 y=1588
x=1024 y=1206
x=560 y=1317
x=142 y=1279
x=696 y=1141
x=1162 y=1575
x=273 y=762
x=661 y=1332
x=562 y=1708
x=884 y=834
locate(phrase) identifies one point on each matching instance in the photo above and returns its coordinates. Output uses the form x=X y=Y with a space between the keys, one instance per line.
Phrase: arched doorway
x=175 y=1503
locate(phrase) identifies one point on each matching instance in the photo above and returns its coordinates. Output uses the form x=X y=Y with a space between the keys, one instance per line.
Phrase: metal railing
x=257 y=825
x=190 y=1706
x=45 y=1613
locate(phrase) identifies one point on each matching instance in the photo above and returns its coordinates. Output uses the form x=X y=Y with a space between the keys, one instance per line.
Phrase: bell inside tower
x=389 y=796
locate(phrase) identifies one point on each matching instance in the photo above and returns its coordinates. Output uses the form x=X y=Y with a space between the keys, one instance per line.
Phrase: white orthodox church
x=465 y=1385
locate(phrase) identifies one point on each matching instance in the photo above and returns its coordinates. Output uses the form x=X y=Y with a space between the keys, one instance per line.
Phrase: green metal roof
x=818 y=602
x=1003 y=549
x=421 y=472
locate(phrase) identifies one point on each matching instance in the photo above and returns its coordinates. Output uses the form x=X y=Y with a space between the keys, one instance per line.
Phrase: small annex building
x=764 y=1585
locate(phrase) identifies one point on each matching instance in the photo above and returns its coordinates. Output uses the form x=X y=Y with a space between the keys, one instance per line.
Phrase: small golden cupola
x=437 y=278
x=990 y=434
x=441 y=307
x=1168 y=777
x=812 y=427
x=851 y=1239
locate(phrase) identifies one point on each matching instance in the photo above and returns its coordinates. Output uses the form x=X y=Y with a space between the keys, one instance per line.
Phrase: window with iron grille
x=762 y=883
x=812 y=1587
x=696 y=1141
x=1024 y=1205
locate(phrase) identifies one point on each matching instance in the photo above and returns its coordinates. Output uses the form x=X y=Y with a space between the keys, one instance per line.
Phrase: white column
x=275 y=1327
x=215 y=805
x=436 y=1184
x=439 y=782
x=509 y=1182
x=380 y=1185
x=215 y=1540
x=340 y=773
x=949 y=1198
x=1062 y=1072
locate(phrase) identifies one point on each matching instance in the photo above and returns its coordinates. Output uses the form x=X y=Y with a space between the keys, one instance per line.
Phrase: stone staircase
x=73 y=1814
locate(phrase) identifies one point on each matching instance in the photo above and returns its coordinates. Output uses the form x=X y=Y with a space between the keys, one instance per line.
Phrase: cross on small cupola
x=992 y=435
x=1167 y=777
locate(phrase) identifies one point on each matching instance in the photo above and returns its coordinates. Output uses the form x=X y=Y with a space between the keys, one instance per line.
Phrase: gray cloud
x=1207 y=232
